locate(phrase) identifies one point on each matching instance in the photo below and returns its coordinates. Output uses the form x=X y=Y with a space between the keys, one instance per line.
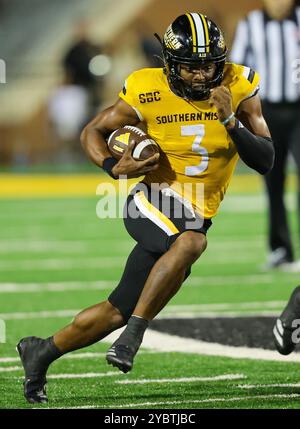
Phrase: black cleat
x=283 y=338
x=120 y=356
x=286 y=325
x=35 y=372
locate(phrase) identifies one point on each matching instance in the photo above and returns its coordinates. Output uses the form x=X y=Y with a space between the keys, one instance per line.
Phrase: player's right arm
x=93 y=140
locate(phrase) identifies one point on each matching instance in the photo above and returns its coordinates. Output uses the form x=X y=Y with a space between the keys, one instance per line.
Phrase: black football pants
x=154 y=223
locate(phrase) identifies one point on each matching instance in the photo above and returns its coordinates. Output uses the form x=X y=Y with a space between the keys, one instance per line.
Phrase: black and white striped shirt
x=272 y=48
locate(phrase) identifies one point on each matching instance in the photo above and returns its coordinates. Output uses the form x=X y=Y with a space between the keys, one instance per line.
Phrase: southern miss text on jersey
x=198 y=157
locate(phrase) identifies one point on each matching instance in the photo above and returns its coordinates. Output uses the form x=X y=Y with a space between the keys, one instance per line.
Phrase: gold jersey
x=198 y=157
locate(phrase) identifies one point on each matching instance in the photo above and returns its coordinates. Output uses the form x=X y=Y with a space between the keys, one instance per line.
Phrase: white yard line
x=252 y=203
x=203 y=401
x=15 y=245
x=172 y=311
x=71 y=376
x=220 y=313
x=20 y=246
x=162 y=342
x=259 y=386
x=38 y=315
x=253 y=241
x=61 y=264
x=56 y=286
x=11 y=368
x=183 y=379
x=196 y=281
x=224 y=306
x=61 y=246
x=87 y=355
x=74 y=356
x=172 y=343
x=213 y=258
x=87 y=375
x=25 y=232
x=193 y=401
x=9 y=359
x=232 y=203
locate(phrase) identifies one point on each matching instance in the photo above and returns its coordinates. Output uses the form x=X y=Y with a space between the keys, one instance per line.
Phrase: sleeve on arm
x=248 y=86
x=251 y=82
x=129 y=95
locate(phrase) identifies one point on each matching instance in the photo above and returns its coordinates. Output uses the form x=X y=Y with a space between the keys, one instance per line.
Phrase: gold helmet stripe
x=200 y=35
x=193 y=28
x=205 y=26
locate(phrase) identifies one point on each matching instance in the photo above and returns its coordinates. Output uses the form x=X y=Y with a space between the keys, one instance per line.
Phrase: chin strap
x=162 y=59
x=157 y=36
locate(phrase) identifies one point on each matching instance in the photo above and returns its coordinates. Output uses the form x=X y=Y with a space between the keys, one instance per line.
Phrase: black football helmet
x=195 y=40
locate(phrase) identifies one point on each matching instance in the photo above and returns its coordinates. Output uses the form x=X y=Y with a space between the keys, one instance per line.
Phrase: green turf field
x=57 y=258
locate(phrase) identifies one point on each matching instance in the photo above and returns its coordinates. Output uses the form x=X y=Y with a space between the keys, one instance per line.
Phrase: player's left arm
x=248 y=129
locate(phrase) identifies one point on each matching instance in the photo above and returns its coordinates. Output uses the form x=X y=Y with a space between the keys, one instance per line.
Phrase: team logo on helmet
x=221 y=41
x=171 y=40
x=193 y=39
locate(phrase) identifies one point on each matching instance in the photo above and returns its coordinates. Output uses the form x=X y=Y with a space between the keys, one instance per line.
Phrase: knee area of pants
x=192 y=244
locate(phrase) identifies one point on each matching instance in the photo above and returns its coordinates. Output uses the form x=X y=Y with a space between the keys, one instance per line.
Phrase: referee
x=268 y=41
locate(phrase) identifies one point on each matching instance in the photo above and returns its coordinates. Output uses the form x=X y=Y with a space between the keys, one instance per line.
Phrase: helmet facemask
x=184 y=88
x=194 y=40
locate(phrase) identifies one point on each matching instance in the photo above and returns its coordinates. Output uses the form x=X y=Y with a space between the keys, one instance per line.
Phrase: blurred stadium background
x=57 y=257
x=35 y=44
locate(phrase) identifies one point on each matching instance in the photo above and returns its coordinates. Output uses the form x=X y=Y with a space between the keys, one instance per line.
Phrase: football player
x=204 y=113
x=286 y=328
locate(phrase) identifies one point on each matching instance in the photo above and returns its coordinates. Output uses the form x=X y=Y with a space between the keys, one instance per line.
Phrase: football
x=144 y=147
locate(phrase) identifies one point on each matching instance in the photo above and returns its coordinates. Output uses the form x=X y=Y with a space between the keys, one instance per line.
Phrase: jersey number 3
x=199 y=132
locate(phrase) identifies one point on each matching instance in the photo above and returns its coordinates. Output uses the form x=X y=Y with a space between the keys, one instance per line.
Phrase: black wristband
x=108 y=165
